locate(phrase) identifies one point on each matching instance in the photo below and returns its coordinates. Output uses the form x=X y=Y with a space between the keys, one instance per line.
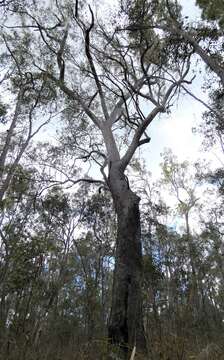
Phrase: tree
x=120 y=74
x=184 y=187
x=26 y=103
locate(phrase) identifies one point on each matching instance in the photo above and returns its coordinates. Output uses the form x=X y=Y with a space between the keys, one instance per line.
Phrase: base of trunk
x=126 y=319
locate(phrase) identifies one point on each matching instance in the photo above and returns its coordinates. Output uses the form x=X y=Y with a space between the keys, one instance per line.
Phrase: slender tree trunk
x=194 y=300
x=9 y=136
x=126 y=319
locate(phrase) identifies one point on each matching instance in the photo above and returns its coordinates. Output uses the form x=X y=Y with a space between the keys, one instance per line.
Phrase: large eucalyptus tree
x=112 y=84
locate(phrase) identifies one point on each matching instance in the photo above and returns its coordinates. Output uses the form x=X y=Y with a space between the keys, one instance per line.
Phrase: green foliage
x=21 y=181
x=143 y=16
x=152 y=271
x=212 y=126
x=212 y=10
x=56 y=206
x=142 y=11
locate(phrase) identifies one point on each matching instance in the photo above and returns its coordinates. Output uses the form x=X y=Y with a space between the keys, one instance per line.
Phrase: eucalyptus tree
x=21 y=101
x=19 y=257
x=200 y=246
x=113 y=85
x=184 y=187
x=173 y=304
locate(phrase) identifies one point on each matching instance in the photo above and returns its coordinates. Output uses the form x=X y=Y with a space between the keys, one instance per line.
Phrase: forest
x=99 y=259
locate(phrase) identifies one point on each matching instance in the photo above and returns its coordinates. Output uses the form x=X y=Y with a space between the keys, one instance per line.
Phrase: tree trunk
x=193 y=288
x=126 y=320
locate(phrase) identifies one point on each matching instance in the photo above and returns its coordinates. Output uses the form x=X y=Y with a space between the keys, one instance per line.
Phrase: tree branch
x=136 y=139
x=92 y=66
x=60 y=60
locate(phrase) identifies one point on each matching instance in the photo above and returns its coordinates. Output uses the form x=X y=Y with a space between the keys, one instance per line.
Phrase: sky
x=176 y=131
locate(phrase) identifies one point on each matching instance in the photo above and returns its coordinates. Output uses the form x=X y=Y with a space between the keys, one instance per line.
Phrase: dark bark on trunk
x=126 y=319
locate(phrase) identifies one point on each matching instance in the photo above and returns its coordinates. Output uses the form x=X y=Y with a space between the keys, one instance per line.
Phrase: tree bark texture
x=126 y=319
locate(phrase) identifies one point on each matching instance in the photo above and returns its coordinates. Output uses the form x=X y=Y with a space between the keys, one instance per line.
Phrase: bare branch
x=12 y=55
x=144 y=141
x=72 y=183
x=92 y=66
x=60 y=60
x=139 y=132
x=202 y=102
